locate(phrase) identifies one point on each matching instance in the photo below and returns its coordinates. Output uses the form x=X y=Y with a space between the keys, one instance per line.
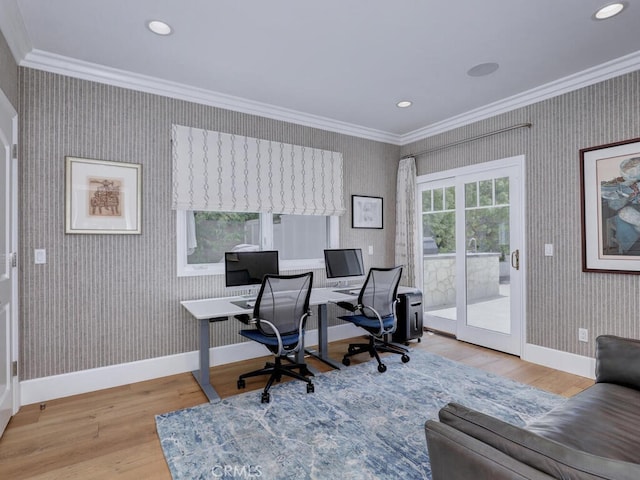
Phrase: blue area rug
x=358 y=424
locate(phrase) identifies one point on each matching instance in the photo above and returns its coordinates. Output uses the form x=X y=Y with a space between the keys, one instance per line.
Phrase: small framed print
x=610 y=191
x=102 y=197
x=366 y=212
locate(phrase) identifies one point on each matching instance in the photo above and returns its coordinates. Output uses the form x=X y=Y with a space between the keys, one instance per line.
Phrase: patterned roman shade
x=214 y=171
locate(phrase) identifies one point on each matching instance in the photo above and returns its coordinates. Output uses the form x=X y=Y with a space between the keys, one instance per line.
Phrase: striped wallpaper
x=560 y=298
x=108 y=299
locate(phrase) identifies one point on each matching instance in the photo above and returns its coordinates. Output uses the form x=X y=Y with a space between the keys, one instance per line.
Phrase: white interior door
x=472 y=262
x=8 y=287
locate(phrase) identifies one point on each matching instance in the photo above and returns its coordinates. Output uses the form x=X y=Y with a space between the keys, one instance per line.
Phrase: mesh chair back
x=282 y=301
x=379 y=291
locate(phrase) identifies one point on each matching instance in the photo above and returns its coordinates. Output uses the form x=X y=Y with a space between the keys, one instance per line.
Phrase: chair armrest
x=244 y=318
x=348 y=306
x=618 y=361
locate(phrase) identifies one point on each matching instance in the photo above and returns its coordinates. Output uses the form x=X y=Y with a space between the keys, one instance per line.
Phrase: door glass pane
x=502 y=191
x=487 y=267
x=426 y=200
x=486 y=193
x=450 y=198
x=439 y=253
x=471 y=194
x=438 y=199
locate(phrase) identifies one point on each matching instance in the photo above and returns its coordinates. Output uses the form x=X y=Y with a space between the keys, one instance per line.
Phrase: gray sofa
x=593 y=435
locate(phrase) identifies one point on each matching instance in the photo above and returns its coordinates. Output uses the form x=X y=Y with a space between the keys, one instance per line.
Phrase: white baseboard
x=57 y=386
x=564 y=361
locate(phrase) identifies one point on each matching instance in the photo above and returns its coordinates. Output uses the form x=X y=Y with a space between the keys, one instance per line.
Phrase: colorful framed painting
x=610 y=193
x=102 y=197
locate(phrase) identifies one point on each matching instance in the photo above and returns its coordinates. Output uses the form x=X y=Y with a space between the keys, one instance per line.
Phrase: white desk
x=210 y=310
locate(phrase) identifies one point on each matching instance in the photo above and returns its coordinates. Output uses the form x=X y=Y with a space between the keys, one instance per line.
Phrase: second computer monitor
x=344 y=262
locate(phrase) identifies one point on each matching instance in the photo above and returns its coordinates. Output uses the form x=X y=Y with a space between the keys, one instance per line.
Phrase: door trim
x=9 y=125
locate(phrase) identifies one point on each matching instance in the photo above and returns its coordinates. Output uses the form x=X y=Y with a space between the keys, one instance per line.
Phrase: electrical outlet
x=548 y=249
x=583 y=334
x=370 y=249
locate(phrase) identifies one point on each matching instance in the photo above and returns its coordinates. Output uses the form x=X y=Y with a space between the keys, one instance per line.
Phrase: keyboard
x=348 y=291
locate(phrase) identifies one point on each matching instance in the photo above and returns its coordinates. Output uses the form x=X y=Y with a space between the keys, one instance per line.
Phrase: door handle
x=515 y=259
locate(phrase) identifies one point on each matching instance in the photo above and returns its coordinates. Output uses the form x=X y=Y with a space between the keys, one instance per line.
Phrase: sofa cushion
x=603 y=420
x=618 y=361
x=548 y=456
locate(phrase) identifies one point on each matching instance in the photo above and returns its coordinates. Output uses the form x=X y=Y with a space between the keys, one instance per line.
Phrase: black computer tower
x=409 y=310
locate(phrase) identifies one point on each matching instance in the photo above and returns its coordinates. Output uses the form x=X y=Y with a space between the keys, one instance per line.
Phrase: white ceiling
x=336 y=64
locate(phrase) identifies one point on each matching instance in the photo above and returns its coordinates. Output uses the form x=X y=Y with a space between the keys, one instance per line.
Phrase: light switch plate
x=548 y=249
x=40 y=256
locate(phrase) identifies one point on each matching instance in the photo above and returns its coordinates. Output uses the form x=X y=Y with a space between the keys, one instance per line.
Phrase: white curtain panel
x=215 y=171
x=406 y=221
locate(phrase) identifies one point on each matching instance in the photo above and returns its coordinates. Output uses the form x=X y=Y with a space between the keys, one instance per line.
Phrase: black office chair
x=280 y=313
x=376 y=313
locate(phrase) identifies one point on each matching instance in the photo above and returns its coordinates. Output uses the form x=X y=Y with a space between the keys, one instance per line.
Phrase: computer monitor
x=244 y=269
x=344 y=263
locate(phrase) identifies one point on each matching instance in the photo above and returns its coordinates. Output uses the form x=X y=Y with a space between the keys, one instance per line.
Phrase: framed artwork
x=366 y=212
x=102 y=196
x=610 y=194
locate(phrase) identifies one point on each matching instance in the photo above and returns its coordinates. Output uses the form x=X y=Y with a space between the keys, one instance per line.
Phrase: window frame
x=184 y=269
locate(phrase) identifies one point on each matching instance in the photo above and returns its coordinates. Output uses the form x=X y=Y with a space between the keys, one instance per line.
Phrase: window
x=203 y=237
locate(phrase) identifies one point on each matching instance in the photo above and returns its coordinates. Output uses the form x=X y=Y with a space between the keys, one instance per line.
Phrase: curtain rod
x=478 y=137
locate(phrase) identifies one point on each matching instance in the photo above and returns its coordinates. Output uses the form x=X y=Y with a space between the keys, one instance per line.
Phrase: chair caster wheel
x=241 y=384
x=346 y=361
x=310 y=388
x=382 y=368
x=419 y=340
x=265 y=397
x=405 y=358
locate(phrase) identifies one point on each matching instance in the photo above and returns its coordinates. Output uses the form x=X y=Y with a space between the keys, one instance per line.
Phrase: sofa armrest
x=548 y=456
x=456 y=456
x=618 y=361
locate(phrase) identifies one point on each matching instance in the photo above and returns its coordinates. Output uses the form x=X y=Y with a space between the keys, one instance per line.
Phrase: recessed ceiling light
x=404 y=104
x=609 y=11
x=159 y=27
x=483 y=69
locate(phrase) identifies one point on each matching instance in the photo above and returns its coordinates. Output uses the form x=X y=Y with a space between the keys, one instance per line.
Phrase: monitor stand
x=251 y=293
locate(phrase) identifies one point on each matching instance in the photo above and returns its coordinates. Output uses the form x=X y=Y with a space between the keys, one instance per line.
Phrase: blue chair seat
x=368 y=323
x=256 y=336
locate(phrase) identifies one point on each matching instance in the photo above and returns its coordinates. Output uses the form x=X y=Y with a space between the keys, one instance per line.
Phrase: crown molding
x=13 y=29
x=599 y=73
x=54 y=63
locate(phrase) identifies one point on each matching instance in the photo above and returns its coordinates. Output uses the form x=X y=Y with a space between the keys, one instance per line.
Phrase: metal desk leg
x=323 y=333
x=202 y=375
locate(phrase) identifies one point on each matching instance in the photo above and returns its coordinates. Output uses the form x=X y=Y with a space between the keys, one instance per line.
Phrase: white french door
x=8 y=285
x=472 y=253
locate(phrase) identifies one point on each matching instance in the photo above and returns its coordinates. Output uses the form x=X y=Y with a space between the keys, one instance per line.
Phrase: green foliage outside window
x=219 y=232
x=486 y=216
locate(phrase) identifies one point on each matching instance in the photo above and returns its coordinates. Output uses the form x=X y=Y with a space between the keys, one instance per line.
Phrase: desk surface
x=225 y=306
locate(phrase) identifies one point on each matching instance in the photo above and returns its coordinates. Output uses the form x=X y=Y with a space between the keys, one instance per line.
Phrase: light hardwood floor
x=111 y=433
